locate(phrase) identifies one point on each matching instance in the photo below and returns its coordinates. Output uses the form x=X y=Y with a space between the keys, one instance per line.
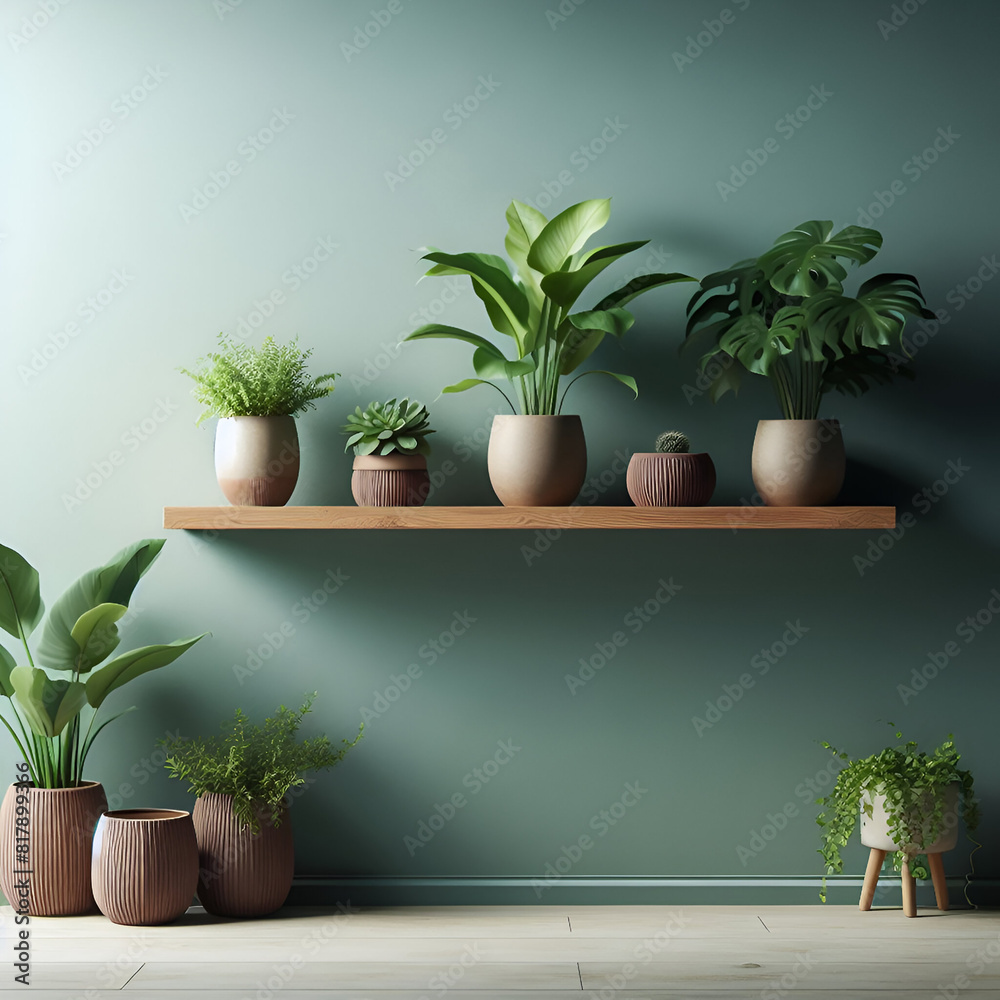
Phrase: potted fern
x=909 y=804
x=785 y=315
x=243 y=781
x=256 y=393
x=47 y=817
x=538 y=457
x=390 y=453
x=670 y=476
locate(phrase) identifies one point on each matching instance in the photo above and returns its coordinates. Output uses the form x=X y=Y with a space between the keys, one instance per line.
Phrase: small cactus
x=673 y=442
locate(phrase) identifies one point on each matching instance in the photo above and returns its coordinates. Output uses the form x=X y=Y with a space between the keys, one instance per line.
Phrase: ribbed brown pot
x=257 y=460
x=390 y=480
x=242 y=874
x=667 y=479
x=145 y=865
x=60 y=831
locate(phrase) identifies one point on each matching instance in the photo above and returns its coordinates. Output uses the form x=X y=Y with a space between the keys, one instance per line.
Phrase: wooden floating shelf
x=447 y=518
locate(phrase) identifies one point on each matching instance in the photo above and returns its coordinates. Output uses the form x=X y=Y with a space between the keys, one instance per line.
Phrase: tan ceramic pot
x=145 y=865
x=666 y=479
x=60 y=832
x=875 y=828
x=537 y=461
x=242 y=874
x=392 y=480
x=798 y=463
x=257 y=460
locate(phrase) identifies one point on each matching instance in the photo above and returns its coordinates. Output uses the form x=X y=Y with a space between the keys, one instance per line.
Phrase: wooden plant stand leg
x=875 y=860
x=909 y=892
x=936 y=866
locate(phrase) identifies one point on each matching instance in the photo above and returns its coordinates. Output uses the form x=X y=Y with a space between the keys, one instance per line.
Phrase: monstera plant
x=53 y=719
x=785 y=315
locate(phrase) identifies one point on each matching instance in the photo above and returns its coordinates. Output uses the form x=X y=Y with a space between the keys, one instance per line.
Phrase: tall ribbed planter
x=537 y=461
x=60 y=831
x=242 y=874
x=145 y=865
x=392 y=480
x=257 y=460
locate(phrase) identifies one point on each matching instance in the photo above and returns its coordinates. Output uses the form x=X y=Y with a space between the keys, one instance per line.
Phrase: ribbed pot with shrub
x=243 y=781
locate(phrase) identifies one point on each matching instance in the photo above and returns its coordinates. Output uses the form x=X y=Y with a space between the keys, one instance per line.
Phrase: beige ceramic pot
x=257 y=460
x=57 y=849
x=875 y=828
x=798 y=463
x=667 y=479
x=392 y=480
x=537 y=461
x=145 y=865
x=241 y=874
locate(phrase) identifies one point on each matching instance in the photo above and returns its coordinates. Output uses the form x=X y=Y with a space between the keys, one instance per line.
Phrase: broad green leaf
x=756 y=346
x=48 y=705
x=437 y=330
x=20 y=599
x=617 y=322
x=854 y=374
x=111 y=583
x=490 y=366
x=804 y=260
x=96 y=634
x=524 y=225
x=577 y=347
x=565 y=287
x=7 y=664
x=567 y=233
x=466 y=384
x=643 y=283
x=130 y=665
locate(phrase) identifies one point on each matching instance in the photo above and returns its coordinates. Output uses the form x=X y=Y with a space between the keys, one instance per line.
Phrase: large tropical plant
x=53 y=719
x=785 y=315
x=533 y=305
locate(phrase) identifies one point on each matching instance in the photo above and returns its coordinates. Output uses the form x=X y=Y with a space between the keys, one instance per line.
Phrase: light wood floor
x=521 y=953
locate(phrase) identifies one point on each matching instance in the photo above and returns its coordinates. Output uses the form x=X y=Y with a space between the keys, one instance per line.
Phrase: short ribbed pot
x=57 y=848
x=537 y=461
x=257 y=460
x=798 y=463
x=668 y=479
x=875 y=828
x=242 y=874
x=392 y=480
x=145 y=865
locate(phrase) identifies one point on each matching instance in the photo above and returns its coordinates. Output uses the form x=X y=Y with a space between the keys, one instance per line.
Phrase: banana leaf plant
x=53 y=719
x=533 y=305
x=785 y=315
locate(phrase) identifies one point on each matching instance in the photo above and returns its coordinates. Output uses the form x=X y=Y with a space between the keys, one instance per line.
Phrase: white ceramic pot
x=875 y=828
x=257 y=460
x=537 y=461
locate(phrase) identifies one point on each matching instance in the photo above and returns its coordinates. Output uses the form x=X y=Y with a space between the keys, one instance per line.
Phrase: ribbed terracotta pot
x=669 y=479
x=257 y=460
x=145 y=865
x=537 y=461
x=875 y=828
x=60 y=832
x=242 y=874
x=798 y=463
x=392 y=480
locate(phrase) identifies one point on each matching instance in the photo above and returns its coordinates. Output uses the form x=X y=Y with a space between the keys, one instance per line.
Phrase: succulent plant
x=673 y=442
x=382 y=428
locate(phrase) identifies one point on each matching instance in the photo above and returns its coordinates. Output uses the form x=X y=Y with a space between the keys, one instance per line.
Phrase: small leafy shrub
x=243 y=381
x=382 y=428
x=256 y=764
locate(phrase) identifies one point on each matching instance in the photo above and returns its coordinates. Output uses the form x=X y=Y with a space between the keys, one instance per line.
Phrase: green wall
x=203 y=78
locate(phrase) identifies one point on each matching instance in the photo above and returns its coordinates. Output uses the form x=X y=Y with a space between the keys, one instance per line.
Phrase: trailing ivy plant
x=243 y=381
x=256 y=764
x=913 y=784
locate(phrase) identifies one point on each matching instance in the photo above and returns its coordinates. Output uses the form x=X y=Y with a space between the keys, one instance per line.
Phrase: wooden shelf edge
x=526 y=518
